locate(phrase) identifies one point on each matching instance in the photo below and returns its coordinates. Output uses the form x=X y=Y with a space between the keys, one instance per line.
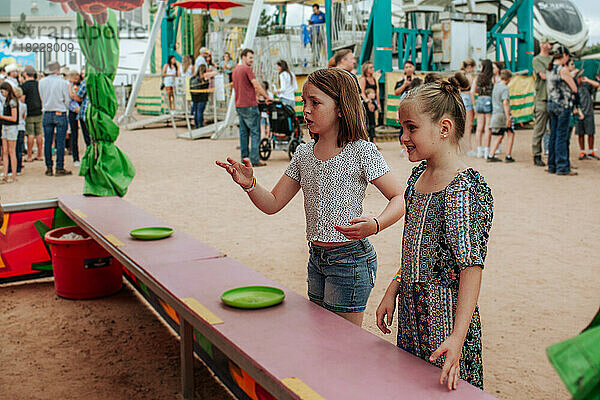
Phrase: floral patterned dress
x=444 y=233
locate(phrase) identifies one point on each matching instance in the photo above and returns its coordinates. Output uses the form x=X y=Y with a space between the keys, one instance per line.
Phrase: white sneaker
x=76 y=164
x=486 y=152
x=471 y=153
x=480 y=152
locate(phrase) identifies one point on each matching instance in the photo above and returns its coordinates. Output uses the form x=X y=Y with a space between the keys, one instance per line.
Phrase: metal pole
x=160 y=13
x=248 y=40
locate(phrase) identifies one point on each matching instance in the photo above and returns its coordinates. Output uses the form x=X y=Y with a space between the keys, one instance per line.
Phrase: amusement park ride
x=436 y=35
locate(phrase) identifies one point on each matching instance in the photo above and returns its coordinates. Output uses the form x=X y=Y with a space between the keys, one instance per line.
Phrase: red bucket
x=82 y=269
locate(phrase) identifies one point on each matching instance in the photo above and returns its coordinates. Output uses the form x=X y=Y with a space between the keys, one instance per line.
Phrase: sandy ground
x=540 y=284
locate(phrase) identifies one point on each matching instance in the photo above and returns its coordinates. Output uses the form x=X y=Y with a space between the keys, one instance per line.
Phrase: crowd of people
x=201 y=72
x=563 y=104
x=39 y=112
x=564 y=101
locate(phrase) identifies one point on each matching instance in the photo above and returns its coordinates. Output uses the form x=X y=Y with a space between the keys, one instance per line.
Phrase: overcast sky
x=590 y=9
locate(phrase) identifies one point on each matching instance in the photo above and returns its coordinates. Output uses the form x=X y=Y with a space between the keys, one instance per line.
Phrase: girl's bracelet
x=377 y=222
x=251 y=188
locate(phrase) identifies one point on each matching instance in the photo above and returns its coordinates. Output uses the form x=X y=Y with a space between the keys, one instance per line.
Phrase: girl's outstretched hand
x=241 y=174
x=451 y=348
x=359 y=228
x=385 y=311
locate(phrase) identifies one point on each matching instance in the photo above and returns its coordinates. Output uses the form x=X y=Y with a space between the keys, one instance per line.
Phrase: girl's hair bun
x=450 y=87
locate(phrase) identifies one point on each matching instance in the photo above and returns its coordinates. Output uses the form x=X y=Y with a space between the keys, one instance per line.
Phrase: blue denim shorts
x=466 y=98
x=342 y=277
x=483 y=105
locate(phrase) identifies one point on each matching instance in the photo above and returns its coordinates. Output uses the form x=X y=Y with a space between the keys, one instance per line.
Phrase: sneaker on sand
x=62 y=172
x=49 y=172
x=76 y=164
x=593 y=156
x=583 y=156
x=509 y=159
x=493 y=159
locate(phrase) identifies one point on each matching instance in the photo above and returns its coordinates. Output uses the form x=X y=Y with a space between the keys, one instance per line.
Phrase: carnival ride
x=433 y=34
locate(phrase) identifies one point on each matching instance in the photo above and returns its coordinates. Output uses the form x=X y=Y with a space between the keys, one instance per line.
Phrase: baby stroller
x=285 y=130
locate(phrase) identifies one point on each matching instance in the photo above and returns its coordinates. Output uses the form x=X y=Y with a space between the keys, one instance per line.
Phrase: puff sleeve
x=371 y=161
x=293 y=169
x=469 y=210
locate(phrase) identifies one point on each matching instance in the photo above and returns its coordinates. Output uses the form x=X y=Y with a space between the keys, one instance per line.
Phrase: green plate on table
x=253 y=297
x=152 y=233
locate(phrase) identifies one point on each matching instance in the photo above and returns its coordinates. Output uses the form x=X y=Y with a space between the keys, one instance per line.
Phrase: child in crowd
x=333 y=171
x=409 y=74
x=371 y=108
x=264 y=117
x=467 y=67
x=449 y=210
x=482 y=87
x=501 y=119
x=74 y=78
x=20 y=148
x=199 y=89
x=586 y=126
x=9 y=119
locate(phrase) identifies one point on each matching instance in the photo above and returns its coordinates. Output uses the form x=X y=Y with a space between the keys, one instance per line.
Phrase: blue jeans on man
x=249 y=132
x=198 y=113
x=54 y=125
x=558 y=146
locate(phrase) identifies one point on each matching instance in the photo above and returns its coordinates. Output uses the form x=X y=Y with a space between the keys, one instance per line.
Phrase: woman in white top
x=187 y=66
x=333 y=172
x=287 y=84
x=170 y=72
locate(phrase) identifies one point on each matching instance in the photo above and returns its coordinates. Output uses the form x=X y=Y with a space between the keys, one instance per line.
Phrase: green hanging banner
x=107 y=170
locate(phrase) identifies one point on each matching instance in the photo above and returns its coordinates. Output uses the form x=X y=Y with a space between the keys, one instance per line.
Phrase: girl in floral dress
x=449 y=210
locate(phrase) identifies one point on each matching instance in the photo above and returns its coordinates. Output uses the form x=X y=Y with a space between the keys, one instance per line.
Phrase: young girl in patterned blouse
x=449 y=210
x=333 y=171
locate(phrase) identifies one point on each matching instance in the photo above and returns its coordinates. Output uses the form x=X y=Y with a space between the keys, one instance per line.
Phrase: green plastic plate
x=253 y=297
x=152 y=233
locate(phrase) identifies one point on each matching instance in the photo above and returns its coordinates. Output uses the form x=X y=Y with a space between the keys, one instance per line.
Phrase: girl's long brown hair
x=342 y=87
x=201 y=71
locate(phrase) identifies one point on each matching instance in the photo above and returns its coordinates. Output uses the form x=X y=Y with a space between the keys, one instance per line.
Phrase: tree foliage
x=592 y=49
x=266 y=24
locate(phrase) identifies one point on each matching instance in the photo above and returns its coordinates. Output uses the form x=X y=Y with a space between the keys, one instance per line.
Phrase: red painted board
x=115 y=216
x=299 y=339
x=21 y=245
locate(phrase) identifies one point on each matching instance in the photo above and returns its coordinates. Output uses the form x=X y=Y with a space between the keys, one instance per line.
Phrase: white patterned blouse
x=334 y=189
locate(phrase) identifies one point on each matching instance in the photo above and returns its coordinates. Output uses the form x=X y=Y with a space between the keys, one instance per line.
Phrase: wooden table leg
x=187 y=359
